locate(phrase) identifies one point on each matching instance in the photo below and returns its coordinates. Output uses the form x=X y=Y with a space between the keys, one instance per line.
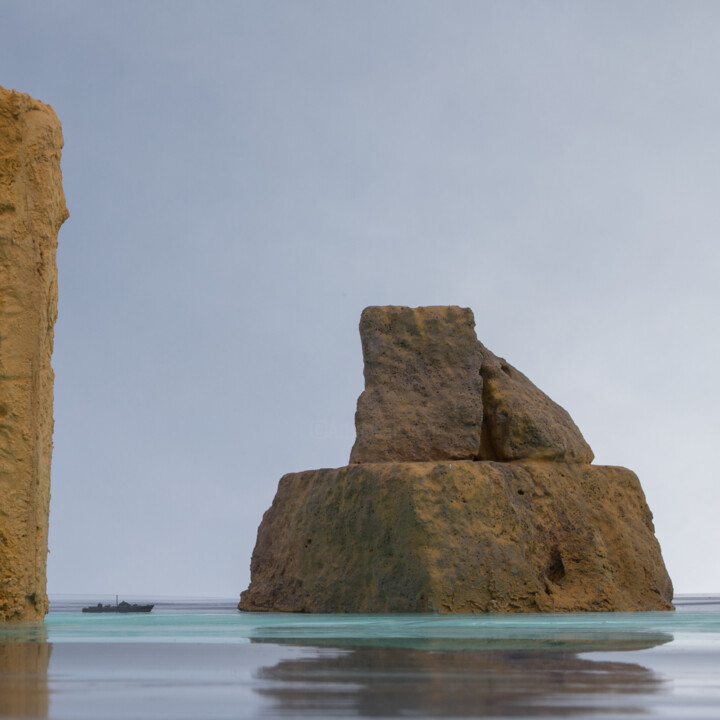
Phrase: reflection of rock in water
x=374 y=681
x=23 y=679
x=561 y=639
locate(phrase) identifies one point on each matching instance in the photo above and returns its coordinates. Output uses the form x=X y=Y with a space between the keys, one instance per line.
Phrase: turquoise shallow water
x=203 y=659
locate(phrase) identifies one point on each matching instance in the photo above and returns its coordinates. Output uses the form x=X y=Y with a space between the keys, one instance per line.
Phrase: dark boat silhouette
x=123 y=607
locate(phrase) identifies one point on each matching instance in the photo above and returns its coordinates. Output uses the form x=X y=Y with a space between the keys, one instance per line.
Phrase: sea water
x=203 y=659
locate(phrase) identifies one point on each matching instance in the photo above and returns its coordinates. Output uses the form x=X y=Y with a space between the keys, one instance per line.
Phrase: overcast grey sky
x=243 y=178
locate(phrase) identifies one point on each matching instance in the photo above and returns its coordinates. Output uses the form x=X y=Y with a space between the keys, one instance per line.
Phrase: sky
x=243 y=178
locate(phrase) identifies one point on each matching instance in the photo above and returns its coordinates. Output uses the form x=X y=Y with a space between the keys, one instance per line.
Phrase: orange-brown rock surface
x=418 y=530
x=423 y=389
x=458 y=537
x=522 y=422
x=32 y=209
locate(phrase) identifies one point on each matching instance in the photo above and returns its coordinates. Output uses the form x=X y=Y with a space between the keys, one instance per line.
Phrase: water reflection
x=24 y=658
x=190 y=666
x=455 y=679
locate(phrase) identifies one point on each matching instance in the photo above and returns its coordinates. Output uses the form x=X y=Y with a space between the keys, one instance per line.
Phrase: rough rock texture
x=458 y=537
x=522 y=422
x=423 y=389
x=32 y=208
x=469 y=490
x=433 y=392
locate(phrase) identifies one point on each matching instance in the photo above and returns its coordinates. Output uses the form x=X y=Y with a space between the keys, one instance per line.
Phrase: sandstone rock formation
x=522 y=422
x=426 y=518
x=458 y=537
x=32 y=209
x=423 y=390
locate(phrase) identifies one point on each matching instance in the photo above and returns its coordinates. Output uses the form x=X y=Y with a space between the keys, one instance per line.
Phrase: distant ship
x=123 y=607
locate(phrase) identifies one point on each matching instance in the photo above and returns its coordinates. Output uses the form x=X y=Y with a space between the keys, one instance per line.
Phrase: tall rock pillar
x=32 y=209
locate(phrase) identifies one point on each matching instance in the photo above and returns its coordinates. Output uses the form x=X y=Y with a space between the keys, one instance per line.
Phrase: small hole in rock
x=555 y=571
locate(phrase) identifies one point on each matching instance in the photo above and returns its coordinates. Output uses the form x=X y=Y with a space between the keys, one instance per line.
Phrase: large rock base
x=462 y=537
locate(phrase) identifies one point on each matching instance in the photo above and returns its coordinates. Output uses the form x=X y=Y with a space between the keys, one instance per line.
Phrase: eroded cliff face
x=458 y=537
x=32 y=209
x=468 y=490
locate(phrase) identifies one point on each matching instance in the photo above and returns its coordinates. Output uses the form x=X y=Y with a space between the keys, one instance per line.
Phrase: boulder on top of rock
x=423 y=389
x=433 y=392
x=522 y=422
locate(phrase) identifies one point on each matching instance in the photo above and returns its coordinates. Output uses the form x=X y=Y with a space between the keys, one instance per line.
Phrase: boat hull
x=122 y=608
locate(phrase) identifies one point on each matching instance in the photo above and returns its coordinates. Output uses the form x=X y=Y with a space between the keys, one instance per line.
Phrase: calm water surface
x=202 y=659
